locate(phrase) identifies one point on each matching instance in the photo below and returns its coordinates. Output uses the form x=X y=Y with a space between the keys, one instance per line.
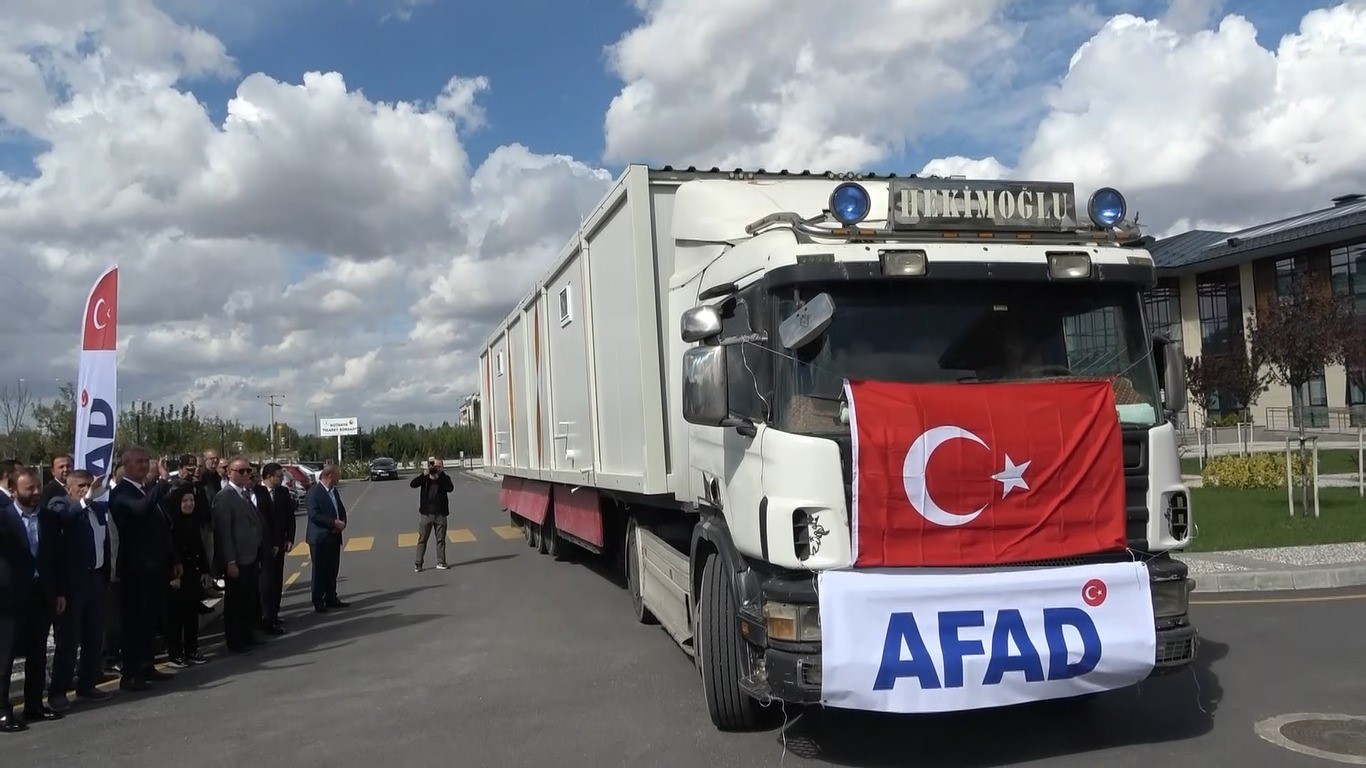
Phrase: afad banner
x=97 y=383
x=961 y=639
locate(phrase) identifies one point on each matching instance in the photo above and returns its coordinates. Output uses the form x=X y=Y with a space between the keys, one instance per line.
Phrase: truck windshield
x=920 y=331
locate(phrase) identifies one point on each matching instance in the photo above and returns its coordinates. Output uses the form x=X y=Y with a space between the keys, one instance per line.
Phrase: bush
x=355 y=470
x=1260 y=470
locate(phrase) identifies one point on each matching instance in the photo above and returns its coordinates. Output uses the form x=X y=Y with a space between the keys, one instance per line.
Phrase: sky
x=334 y=201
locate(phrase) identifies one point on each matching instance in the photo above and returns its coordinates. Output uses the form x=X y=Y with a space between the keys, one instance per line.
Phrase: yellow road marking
x=508 y=531
x=360 y=544
x=300 y=549
x=1267 y=600
x=289 y=582
x=407 y=539
x=460 y=535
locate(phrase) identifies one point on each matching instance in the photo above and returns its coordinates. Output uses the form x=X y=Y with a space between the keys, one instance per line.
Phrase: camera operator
x=433 y=504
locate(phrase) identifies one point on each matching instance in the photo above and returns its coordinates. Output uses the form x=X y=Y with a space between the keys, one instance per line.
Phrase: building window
x=566 y=313
x=1220 y=298
x=1162 y=305
x=1287 y=270
x=1349 y=274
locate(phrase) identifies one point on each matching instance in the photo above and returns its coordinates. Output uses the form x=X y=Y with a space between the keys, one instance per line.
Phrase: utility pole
x=273 y=405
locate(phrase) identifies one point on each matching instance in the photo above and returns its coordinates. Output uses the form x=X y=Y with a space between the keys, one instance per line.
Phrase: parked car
x=384 y=468
x=300 y=475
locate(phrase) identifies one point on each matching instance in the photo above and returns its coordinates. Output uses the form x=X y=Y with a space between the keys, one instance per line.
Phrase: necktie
x=31 y=522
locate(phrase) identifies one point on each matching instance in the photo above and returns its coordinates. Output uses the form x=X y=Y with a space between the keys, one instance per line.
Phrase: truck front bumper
x=791 y=671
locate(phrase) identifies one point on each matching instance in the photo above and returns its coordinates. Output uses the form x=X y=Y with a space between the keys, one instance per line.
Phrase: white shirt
x=101 y=533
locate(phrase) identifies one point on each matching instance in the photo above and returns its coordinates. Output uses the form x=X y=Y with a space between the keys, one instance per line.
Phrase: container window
x=566 y=313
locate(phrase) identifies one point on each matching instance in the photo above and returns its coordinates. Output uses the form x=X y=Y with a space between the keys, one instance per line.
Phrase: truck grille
x=1135 y=450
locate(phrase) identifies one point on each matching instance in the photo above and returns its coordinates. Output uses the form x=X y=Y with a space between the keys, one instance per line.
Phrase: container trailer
x=875 y=442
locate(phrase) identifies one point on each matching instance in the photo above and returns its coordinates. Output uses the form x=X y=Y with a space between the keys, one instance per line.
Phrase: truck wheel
x=543 y=533
x=553 y=546
x=723 y=654
x=635 y=571
x=529 y=533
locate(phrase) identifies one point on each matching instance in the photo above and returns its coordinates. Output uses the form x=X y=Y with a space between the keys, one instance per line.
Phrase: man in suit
x=326 y=521
x=56 y=487
x=433 y=506
x=278 y=506
x=239 y=542
x=9 y=470
x=33 y=597
x=85 y=559
x=146 y=562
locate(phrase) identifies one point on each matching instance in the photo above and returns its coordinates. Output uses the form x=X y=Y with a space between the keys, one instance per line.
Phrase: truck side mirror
x=1172 y=361
x=700 y=324
x=705 y=399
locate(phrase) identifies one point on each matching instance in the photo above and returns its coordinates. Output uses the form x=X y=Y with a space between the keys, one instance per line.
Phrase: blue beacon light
x=1107 y=207
x=850 y=203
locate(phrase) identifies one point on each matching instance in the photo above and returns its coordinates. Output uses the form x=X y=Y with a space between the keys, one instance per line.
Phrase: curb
x=1284 y=580
x=17 y=680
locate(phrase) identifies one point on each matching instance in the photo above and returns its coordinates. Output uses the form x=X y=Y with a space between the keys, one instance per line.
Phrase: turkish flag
x=985 y=474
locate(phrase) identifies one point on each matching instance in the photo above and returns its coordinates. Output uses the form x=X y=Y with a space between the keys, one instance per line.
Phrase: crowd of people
x=106 y=578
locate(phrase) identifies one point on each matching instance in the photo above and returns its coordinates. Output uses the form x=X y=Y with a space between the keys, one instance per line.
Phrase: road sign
x=338 y=427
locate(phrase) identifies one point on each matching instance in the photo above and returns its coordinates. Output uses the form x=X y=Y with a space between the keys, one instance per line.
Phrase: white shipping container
x=574 y=381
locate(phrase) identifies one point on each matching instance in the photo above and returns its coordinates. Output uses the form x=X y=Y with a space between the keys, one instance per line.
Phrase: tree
x=1354 y=352
x=1233 y=374
x=1298 y=335
x=15 y=405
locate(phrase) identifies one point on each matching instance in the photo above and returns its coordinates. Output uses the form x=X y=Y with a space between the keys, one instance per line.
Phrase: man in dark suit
x=326 y=521
x=276 y=501
x=84 y=565
x=146 y=562
x=33 y=597
x=239 y=542
x=56 y=487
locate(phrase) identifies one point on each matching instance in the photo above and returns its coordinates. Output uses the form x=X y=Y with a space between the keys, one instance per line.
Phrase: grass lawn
x=1332 y=461
x=1230 y=518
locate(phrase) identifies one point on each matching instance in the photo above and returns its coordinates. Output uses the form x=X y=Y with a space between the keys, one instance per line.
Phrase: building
x=1211 y=284
x=469 y=410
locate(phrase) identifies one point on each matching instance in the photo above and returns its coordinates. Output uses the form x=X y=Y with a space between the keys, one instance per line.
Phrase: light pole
x=270 y=400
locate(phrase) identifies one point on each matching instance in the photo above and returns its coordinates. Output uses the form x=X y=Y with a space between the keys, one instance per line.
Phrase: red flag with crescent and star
x=985 y=473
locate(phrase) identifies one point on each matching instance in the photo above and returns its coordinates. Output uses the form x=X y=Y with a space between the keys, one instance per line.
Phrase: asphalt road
x=512 y=659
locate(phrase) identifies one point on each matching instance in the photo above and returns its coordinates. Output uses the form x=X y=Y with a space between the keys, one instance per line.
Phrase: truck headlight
x=1171 y=598
x=793 y=623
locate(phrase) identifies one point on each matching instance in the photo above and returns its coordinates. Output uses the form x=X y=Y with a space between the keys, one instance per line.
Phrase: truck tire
x=635 y=571
x=722 y=653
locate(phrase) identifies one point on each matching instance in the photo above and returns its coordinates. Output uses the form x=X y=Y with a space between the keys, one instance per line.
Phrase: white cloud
x=779 y=84
x=1207 y=127
x=316 y=242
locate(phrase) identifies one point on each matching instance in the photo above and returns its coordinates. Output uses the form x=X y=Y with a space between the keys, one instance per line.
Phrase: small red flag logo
x=985 y=474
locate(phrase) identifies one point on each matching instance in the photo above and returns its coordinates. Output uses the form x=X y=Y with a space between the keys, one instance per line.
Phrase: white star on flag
x=1011 y=477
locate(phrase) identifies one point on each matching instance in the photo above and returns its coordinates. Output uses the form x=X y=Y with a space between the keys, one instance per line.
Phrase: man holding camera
x=434 y=505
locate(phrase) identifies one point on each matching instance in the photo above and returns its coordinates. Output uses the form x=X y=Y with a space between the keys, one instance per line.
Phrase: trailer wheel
x=529 y=532
x=553 y=546
x=542 y=531
x=723 y=654
x=635 y=571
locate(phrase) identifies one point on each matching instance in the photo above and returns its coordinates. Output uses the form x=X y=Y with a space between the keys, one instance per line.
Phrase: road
x=512 y=659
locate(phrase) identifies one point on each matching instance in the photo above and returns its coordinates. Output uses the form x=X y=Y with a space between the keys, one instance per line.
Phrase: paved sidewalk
x=1317 y=566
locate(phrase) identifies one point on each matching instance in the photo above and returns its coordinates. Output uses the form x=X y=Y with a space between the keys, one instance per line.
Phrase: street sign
x=338 y=427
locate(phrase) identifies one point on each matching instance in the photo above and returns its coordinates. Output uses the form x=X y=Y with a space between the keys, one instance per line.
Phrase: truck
x=673 y=395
